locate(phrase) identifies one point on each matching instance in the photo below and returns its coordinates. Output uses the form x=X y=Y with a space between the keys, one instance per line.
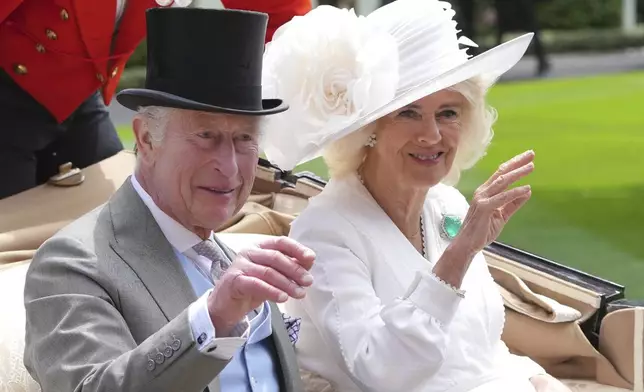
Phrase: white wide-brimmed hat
x=340 y=72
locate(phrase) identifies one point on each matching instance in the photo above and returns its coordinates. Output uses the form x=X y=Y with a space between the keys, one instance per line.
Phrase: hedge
x=582 y=40
x=579 y=14
x=556 y=14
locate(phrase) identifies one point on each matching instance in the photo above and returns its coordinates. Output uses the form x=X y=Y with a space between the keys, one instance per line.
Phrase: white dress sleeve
x=391 y=346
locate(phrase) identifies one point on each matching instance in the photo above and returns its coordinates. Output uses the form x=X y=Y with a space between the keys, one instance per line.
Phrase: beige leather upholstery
x=589 y=386
x=14 y=377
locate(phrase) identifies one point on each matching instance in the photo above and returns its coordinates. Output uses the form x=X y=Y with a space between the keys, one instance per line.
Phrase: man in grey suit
x=139 y=295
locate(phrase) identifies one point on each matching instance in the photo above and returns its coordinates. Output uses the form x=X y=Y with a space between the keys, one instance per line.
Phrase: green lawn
x=588 y=135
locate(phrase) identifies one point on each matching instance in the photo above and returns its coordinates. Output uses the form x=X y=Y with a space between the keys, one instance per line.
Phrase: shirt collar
x=179 y=237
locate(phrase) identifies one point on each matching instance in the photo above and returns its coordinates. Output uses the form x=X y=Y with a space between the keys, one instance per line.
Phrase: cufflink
x=202 y=338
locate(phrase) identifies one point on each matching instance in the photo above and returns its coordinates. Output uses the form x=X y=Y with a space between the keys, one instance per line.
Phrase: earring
x=372 y=141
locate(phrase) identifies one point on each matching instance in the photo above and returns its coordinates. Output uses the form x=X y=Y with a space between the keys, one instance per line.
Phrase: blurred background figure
x=521 y=15
x=339 y=3
x=59 y=69
x=509 y=16
x=60 y=62
x=279 y=11
x=465 y=17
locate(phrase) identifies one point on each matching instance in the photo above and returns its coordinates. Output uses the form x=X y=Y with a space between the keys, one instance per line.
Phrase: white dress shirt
x=182 y=240
x=120 y=8
x=377 y=319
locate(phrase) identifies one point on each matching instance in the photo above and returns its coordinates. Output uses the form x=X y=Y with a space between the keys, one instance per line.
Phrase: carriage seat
x=14 y=376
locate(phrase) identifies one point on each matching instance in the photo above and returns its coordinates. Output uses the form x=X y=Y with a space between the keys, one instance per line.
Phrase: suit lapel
x=283 y=347
x=214 y=386
x=285 y=352
x=141 y=244
x=96 y=25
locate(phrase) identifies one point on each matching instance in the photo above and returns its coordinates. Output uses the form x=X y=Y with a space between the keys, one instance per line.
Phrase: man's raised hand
x=274 y=271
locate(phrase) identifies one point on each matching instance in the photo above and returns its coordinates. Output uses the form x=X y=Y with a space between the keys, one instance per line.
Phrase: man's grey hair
x=345 y=156
x=156 y=119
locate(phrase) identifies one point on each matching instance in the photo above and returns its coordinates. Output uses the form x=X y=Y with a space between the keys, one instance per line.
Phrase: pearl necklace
x=422 y=224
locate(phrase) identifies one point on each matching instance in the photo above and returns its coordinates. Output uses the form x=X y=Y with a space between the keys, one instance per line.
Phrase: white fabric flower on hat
x=332 y=67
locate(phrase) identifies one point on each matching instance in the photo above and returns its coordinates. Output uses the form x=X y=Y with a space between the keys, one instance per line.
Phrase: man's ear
x=142 y=138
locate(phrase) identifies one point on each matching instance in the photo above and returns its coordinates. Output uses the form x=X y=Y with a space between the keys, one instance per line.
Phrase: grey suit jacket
x=106 y=303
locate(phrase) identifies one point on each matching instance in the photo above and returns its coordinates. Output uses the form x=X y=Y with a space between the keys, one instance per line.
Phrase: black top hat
x=204 y=59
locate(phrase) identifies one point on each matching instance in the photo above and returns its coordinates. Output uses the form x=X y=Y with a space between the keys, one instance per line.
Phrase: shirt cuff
x=204 y=334
x=435 y=297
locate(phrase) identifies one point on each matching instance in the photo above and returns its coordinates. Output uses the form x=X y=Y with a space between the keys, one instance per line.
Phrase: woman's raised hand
x=493 y=204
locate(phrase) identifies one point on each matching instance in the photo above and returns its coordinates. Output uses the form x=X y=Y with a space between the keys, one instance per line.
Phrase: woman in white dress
x=402 y=298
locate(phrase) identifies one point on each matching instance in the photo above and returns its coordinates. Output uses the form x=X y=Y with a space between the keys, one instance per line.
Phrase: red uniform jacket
x=279 y=11
x=62 y=51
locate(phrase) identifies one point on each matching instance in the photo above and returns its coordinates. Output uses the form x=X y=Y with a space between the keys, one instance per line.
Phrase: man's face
x=202 y=171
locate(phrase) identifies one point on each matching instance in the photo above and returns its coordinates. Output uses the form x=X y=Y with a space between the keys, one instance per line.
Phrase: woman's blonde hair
x=345 y=155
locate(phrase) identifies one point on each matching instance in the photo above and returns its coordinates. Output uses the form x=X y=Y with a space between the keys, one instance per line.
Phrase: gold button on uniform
x=51 y=34
x=64 y=15
x=20 y=69
x=40 y=48
x=115 y=71
x=100 y=77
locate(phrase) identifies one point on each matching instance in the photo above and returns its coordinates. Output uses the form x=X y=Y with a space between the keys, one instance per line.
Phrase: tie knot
x=210 y=250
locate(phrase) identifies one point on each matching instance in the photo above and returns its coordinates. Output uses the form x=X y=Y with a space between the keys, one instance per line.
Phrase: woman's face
x=418 y=142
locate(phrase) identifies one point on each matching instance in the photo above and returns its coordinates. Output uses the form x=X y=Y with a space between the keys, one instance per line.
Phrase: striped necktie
x=210 y=250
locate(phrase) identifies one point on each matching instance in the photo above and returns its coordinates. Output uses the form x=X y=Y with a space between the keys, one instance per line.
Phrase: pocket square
x=292 y=325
